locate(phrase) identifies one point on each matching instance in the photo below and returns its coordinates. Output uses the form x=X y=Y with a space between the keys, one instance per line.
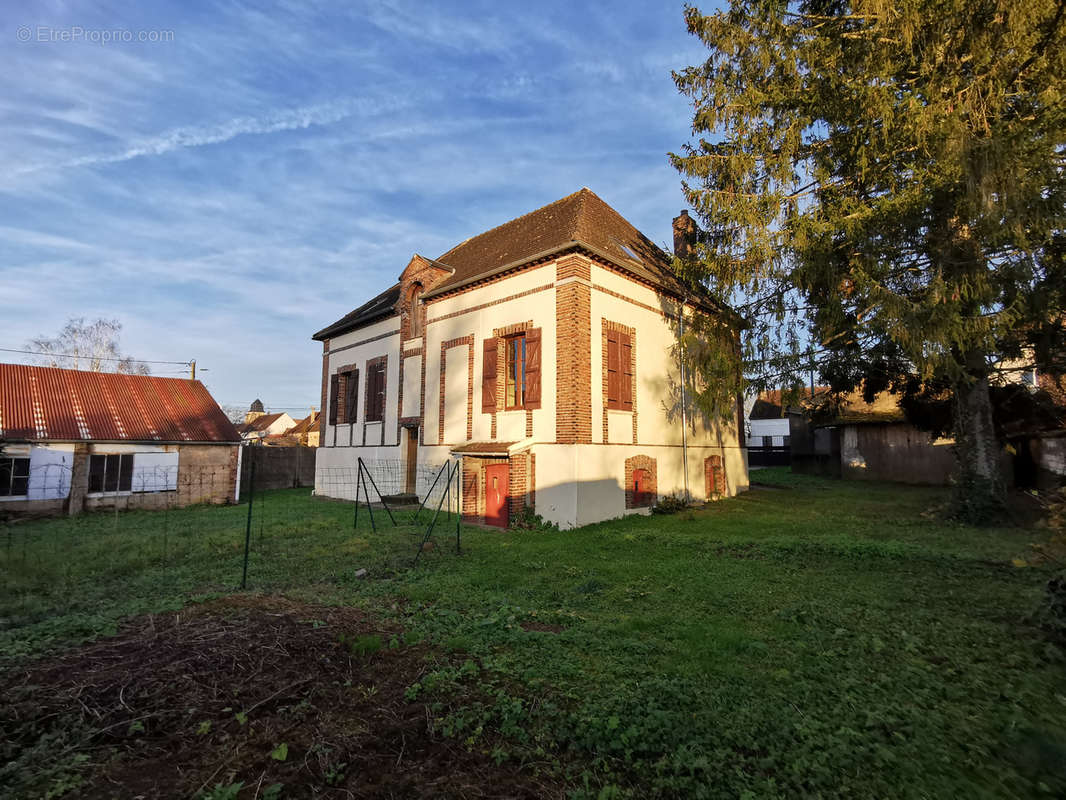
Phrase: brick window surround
x=607 y=328
x=648 y=464
x=445 y=346
x=344 y=385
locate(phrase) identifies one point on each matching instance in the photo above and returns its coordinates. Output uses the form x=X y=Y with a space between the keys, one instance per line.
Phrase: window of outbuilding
x=112 y=472
x=14 y=477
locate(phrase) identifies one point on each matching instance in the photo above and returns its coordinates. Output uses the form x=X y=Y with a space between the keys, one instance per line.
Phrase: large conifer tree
x=893 y=171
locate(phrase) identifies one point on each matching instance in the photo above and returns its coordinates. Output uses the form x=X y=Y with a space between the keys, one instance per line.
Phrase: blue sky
x=229 y=192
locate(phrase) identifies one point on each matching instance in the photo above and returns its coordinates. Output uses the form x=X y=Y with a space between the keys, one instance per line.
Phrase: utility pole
x=192 y=370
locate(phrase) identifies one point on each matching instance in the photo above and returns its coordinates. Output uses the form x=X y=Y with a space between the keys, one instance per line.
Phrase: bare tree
x=92 y=346
x=234 y=414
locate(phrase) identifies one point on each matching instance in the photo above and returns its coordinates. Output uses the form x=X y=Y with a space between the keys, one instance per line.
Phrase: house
x=540 y=353
x=75 y=440
x=305 y=431
x=258 y=425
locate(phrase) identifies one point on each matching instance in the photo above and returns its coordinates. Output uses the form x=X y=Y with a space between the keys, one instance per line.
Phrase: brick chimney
x=685 y=231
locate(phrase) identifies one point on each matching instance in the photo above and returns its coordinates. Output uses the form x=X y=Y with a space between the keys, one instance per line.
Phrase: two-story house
x=542 y=353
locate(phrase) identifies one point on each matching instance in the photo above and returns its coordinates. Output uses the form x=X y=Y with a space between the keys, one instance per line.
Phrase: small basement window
x=111 y=473
x=14 y=477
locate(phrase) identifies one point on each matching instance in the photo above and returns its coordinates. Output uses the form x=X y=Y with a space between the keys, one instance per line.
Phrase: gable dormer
x=419 y=276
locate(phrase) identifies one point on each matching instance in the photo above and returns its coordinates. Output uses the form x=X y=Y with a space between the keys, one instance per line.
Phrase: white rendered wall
x=345 y=350
x=537 y=307
x=777 y=428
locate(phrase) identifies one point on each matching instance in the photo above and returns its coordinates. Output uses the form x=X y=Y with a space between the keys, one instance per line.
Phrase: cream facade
x=540 y=432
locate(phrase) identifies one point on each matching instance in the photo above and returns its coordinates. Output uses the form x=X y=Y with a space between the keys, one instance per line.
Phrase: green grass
x=822 y=638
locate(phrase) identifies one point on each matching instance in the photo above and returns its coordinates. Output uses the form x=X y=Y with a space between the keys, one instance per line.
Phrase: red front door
x=497 y=477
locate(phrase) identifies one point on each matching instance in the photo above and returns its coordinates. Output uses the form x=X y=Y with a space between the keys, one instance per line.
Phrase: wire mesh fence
x=160 y=535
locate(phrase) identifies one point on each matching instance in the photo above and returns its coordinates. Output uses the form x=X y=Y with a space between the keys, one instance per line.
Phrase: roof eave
x=574 y=244
x=355 y=324
x=47 y=440
x=484 y=276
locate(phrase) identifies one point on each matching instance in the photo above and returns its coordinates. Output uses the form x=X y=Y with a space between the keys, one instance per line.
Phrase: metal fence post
x=248 y=525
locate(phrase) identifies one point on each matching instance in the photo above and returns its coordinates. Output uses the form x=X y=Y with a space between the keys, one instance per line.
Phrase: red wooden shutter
x=488 y=376
x=613 y=395
x=533 y=360
x=625 y=370
x=334 y=392
x=352 y=404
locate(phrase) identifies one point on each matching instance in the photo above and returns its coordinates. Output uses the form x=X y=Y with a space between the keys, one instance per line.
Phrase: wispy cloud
x=203 y=135
x=231 y=192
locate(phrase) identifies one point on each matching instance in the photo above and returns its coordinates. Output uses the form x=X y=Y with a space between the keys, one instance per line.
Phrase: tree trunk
x=980 y=495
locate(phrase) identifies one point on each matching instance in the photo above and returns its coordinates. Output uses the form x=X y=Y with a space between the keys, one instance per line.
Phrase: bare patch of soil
x=181 y=703
x=541 y=627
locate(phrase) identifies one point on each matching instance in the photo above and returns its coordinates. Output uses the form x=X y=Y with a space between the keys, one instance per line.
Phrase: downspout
x=684 y=399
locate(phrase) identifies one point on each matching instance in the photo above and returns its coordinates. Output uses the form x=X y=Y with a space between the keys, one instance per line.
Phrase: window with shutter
x=488 y=376
x=375 y=402
x=334 y=393
x=342 y=394
x=516 y=372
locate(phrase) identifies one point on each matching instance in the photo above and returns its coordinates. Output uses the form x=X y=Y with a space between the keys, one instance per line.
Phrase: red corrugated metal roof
x=46 y=404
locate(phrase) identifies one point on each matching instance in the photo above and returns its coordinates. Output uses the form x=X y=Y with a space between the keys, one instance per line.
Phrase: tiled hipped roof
x=47 y=404
x=380 y=307
x=579 y=220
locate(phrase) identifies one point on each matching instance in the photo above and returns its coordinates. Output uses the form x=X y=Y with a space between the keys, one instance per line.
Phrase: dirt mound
x=251 y=690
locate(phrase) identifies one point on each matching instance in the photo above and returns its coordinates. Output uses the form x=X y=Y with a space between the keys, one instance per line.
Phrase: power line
x=90 y=358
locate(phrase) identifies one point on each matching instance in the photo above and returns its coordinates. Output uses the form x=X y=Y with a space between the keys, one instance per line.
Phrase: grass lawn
x=817 y=638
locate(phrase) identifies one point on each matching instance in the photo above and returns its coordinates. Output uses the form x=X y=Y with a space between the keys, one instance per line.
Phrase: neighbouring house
x=768 y=434
x=541 y=353
x=305 y=431
x=258 y=425
x=75 y=440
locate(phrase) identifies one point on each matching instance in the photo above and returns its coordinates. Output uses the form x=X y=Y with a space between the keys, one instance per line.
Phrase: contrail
x=199 y=136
